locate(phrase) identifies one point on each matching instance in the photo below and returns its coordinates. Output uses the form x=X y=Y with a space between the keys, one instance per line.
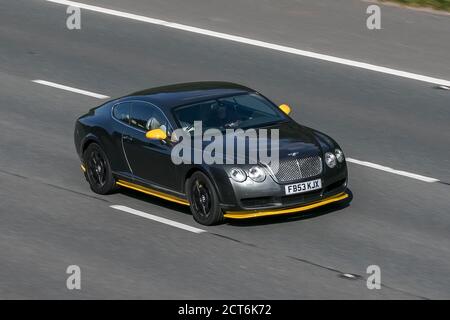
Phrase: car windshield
x=235 y=112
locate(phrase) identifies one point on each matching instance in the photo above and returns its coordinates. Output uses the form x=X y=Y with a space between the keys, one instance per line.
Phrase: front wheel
x=98 y=170
x=203 y=200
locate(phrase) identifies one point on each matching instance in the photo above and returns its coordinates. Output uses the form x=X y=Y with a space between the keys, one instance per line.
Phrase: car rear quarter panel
x=98 y=126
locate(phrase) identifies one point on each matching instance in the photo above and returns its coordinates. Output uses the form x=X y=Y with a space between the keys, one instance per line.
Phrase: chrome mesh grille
x=296 y=169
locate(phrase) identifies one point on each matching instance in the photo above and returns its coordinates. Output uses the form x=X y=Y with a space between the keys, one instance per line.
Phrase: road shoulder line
x=257 y=43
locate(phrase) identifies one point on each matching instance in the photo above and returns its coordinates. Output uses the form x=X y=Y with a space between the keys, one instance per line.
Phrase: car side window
x=146 y=117
x=122 y=112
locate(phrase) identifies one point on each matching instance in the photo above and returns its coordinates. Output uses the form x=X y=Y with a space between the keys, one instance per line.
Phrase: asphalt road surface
x=49 y=218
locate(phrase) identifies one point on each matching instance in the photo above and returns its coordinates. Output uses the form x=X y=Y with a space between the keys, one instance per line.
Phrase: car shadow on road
x=154 y=200
x=285 y=218
x=310 y=214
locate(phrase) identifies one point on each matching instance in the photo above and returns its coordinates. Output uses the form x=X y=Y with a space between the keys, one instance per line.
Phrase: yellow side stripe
x=152 y=192
x=253 y=214
x=83 y=168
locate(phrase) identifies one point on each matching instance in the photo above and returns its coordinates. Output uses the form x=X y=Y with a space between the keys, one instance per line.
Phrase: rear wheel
x=203 y=200
x=98 y=170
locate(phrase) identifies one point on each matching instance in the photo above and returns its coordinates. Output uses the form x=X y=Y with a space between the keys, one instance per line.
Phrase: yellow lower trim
x=152 y=192
x=252 y=214
x=83 y=168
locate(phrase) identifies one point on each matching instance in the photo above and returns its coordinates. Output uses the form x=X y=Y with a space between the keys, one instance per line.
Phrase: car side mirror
x=156 y=134
x=285 y=108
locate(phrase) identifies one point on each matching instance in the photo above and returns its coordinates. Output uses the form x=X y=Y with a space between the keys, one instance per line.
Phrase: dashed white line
x=258 y=43
x=158 y=219
x=63 y=87
x=387 y=169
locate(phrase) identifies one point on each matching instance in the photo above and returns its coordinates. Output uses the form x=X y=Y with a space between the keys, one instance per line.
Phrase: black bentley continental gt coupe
x=128 y=142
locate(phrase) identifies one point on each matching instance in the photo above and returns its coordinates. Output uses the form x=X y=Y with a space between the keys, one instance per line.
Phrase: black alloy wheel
x=203 y=200
x=98 y=170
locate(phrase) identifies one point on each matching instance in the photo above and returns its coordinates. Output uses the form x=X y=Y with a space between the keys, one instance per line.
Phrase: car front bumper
x=272 y=212
x=251 y=199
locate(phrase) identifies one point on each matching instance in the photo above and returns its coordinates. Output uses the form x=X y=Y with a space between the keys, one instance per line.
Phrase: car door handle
x=127 y=138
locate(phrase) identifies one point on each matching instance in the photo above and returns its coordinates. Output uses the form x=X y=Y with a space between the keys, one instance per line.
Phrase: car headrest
x=152 y=124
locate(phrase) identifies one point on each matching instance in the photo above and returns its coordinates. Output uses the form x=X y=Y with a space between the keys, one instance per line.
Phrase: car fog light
x=339 y=155
x=330 y=159
x=257 y=174
x=238 y=175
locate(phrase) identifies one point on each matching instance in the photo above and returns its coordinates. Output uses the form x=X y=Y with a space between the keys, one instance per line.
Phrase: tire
x=98 y=170
x=203 y=199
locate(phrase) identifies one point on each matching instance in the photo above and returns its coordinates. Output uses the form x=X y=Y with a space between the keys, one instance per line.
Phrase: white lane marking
x=387 y=169
x=62 y=87
x=158 y=219
x=258 y=43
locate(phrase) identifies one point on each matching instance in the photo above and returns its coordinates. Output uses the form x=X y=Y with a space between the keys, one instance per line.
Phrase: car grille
x=296 y=169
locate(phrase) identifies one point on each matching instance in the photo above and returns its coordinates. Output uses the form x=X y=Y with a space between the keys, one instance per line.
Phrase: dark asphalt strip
x=355 y=277
x=53 y=186
x=339 y=273
x=234 y=240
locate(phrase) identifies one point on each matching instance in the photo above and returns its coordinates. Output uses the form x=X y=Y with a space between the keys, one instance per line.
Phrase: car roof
x=168 y=97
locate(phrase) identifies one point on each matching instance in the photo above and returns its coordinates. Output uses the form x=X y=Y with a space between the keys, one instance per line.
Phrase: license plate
x=303 y=186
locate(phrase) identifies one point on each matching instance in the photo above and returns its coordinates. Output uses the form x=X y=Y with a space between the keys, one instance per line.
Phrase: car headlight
x=238 y=175
x=257 y=174
x=330 y=159
x=339 y=155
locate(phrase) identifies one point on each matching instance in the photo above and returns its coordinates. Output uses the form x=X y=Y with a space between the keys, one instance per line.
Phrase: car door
x=121 y=113
x=150 y=160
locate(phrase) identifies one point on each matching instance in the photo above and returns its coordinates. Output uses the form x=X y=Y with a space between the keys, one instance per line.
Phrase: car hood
x=294 y=140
